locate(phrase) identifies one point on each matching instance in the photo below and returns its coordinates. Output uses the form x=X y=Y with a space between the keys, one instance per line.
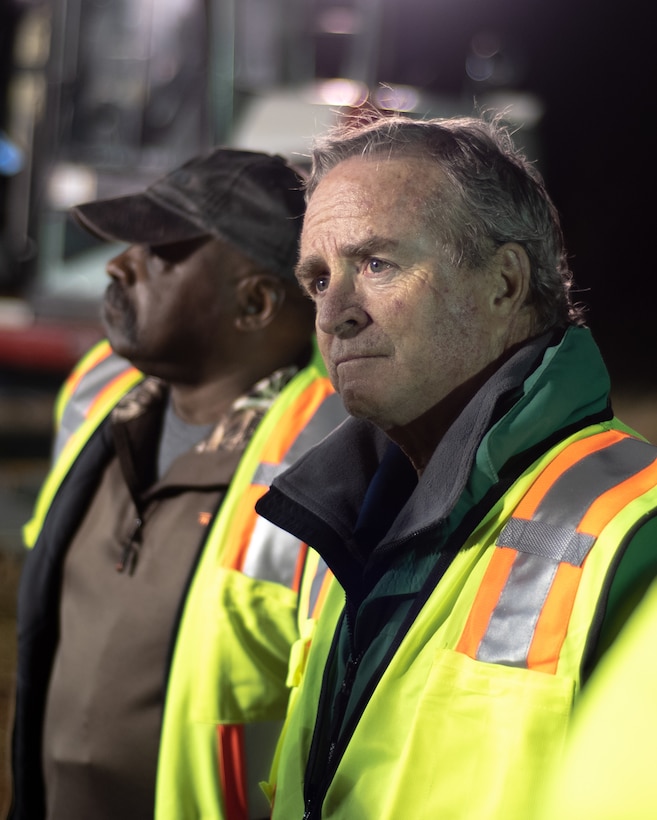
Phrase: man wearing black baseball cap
x=156 y=611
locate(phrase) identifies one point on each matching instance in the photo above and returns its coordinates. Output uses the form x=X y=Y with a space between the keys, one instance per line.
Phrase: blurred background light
x=402 y=98
x=11 y=157
x=339 y=91
x=71 y=184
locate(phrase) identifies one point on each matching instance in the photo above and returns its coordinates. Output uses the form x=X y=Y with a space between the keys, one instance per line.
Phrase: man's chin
x=120 y=331
x=357 y=405
x=122 y=343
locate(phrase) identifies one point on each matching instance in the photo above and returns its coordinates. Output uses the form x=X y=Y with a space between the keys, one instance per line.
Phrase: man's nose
x=339 y=310
x=125 y=266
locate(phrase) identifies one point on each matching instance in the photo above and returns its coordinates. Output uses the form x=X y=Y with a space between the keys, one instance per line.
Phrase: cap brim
x=135 y=219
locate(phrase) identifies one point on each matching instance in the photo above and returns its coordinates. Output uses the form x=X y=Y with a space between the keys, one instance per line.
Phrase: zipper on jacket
x=341 y=701
x=344 y=692
x=315 y=793
x=130 y=552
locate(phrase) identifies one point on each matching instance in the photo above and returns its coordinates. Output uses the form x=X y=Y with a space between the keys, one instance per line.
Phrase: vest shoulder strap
x=95 y=385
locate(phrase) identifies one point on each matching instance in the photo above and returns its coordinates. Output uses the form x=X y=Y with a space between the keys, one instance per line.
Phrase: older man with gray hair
x=488 y=517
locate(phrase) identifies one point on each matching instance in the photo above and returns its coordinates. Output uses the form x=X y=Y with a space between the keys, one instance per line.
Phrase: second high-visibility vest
x=225 y=690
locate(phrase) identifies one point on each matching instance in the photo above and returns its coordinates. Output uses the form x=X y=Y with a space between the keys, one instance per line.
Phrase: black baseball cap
x=252 y=200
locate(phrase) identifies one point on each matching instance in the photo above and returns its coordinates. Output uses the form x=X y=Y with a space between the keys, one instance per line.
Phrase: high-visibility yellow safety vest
x=477 y=698
x=225 y=698
x=607 y=771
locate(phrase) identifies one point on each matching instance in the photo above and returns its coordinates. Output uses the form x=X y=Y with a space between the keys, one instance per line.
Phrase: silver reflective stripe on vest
x=512 y=624
x=328 y=415
x=273 y=553
x=552 y=532
x=549 y=539
x=85 y=393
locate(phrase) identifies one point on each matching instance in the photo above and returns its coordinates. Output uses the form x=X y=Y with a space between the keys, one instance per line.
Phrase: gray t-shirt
x=177 y=437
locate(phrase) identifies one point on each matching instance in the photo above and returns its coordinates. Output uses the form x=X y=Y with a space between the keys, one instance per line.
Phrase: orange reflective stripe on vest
x=95 y=356
x=318 y=589
x=522 y=609
x=232 y=772
x=312 y=415
x=316 y=579
x=118 y=386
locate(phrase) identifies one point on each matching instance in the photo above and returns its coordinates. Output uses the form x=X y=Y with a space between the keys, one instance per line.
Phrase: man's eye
x=320 y=284
x=375 y=265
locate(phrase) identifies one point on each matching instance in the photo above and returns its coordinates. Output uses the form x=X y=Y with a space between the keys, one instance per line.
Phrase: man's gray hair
x=493 y=195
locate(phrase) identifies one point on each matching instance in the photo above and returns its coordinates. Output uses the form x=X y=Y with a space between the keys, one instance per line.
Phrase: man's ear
x=511 y=270
x=259 y=298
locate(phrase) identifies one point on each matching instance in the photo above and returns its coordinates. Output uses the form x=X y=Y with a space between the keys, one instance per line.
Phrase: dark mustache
x=118 y=312
x=116 y=297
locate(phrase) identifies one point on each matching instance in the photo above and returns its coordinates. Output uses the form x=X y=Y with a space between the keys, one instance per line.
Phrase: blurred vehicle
x=107 y=95
x=104 y=97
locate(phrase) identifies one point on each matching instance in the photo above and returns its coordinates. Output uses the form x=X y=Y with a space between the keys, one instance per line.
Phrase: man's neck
x=206 y=403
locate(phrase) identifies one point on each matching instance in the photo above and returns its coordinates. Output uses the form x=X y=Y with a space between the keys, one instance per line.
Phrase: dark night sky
x=592 y=62
x=599 y=142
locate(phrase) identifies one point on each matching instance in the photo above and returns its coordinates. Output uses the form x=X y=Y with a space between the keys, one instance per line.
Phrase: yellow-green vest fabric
x=607 y=770
x=439 y=708
x=226 y=694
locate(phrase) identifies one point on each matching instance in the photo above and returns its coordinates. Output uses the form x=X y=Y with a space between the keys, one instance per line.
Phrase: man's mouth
x=116 y=298
x=354 y=357
x=118 y=311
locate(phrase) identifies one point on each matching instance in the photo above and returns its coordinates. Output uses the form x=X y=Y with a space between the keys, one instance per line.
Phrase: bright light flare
x=71 y=184
x=397 y=98
x=341 y=92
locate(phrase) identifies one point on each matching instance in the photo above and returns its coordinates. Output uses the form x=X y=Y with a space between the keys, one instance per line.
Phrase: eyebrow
x=358 y=250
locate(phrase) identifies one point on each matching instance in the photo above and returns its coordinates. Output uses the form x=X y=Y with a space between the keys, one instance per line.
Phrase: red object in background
x=46 y=346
